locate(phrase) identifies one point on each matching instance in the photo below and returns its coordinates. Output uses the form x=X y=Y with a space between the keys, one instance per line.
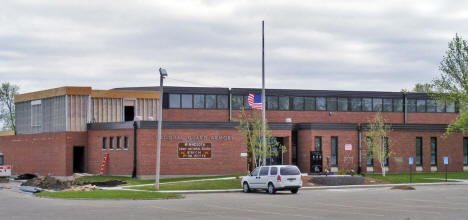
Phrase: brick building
x=71 y=129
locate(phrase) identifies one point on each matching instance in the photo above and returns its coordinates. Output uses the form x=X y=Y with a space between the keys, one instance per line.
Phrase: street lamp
x=162 y=75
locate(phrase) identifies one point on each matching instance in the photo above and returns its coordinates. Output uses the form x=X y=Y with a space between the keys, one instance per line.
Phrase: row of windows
x=419 y=151
x=117 y=143
x=200 y=101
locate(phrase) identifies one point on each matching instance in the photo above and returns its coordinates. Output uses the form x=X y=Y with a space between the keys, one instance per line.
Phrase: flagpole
x=263 y=93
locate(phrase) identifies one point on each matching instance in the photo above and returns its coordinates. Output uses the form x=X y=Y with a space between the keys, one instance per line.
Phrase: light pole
x=162 y=75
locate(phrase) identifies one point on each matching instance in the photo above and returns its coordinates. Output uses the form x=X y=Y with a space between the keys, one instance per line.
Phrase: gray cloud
x=342 y=45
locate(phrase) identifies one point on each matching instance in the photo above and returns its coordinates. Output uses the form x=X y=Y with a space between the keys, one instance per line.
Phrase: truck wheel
x=271 y=188
x=245 y=187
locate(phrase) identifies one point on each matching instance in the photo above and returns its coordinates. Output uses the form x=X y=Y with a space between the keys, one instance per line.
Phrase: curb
x=319 y=187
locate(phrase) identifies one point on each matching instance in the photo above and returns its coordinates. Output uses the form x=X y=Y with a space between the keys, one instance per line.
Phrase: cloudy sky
x=338 y=45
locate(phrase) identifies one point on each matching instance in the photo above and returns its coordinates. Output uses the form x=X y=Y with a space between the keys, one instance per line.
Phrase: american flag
x=255 y=101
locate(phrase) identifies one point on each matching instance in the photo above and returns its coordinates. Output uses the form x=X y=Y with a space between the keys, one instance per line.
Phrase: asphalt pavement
x=426 y=202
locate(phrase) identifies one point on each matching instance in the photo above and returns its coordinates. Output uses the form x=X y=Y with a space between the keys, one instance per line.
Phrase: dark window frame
x=465 y=151
x=104 y=143
x=119 y=143
x=126 y=143
x=433 y=151
x=319 y=138
x=419 y=162
x=334 y=163
x=369 y=153
x=111 y=143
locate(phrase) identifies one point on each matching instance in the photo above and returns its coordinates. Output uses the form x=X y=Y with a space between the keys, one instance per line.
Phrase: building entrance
x=316 y=161
x=78 y=159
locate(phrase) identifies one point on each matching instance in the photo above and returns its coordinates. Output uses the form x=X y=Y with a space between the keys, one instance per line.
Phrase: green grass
x=108 y=194
x=131 y=181
x=418 y=177
x=199 y=185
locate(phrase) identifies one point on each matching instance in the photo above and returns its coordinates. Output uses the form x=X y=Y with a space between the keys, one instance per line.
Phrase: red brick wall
x=196 y=115
x=225 y=158
x=44 y=154
x=403 y=145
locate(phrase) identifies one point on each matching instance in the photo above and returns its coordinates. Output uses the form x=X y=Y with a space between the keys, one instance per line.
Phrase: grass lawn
x=418 y=177
x=108 y=194
x=131 y=181
x=199 y=185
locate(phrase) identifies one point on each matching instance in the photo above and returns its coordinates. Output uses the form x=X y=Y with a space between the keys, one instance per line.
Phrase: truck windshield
x=289 y=171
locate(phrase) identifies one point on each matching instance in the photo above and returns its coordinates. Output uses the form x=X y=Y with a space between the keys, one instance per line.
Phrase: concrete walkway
x=454 y=182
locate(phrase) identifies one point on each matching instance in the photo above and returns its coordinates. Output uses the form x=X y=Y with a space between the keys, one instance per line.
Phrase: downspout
x=405 y=118
x=359 y=150
x=230 y=105
x=135 y=126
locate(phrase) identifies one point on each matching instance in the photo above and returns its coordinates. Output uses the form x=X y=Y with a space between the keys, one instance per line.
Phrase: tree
x=378 y=142
x=423 y=88
x=452 y=85
x=250 y=127
x=7 y=105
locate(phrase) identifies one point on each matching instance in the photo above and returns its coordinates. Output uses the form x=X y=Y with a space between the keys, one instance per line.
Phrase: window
x=210 y=101
x=418 y=151
x=284 y=103
x=398 y=105
x=321 y=104
x=237 y=101
x=377 y=104
x=274 y=171
x=104 y=141
x=356 y=104
x=318 y=143
x=369 y=155
x=298 y=103
x=440 y=106
x=465 y=151
x=451 y=107
x=111 y=143
x=36 y=113
x=255 y=171
x=126 y=143
x=385 y=146
x=199 y=101
x=309 y=103
x=431 y=105
x=222 y=102
x=332 y=104
x=174 y=100
x=272 y=102
x=387 y=105
x=343 y=104
x=264 y=171
x=366 y=104
x=334 y=151
x=411 y=105
x=119 y=142
x=421 y=105
x=187 y=101
x=433 y=151
x=289 y=170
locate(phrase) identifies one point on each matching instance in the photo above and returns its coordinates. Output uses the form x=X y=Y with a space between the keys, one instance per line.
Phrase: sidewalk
x=456 y=182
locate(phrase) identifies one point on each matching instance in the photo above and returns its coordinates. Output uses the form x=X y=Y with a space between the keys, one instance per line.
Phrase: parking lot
x=426 y=202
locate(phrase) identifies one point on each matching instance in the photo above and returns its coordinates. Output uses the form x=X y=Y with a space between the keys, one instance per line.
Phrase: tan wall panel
x=67 y=90
x=124 y=94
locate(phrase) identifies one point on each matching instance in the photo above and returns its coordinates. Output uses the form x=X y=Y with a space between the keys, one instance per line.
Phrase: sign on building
x=348 y=147
x=194 y=150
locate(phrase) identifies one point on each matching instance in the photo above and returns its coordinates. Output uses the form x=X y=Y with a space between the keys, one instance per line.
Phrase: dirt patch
x=48 y=182
x=368 y=181
x=306 y=182
x=88 y=187
x=403 y=187
x=109 y=183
